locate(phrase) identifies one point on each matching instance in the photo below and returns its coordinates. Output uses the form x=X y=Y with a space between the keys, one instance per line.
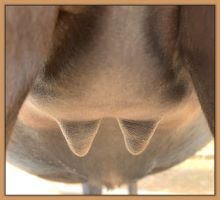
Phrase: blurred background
x=193 y=176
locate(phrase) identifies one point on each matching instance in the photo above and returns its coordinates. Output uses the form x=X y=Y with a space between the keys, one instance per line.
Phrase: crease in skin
x=79 y=135
x=137 y=134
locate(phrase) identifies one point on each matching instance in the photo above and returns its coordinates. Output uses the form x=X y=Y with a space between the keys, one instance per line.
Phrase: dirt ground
x=194 y=176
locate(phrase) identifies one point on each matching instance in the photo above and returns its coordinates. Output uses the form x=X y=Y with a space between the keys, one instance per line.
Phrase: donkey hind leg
x=89 y=189
x=132 y=188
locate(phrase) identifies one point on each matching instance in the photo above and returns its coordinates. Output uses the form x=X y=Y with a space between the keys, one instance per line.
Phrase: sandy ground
x=194 y=176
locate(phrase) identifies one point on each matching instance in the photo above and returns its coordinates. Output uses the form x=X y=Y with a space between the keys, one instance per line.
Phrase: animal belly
x=45 y=153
